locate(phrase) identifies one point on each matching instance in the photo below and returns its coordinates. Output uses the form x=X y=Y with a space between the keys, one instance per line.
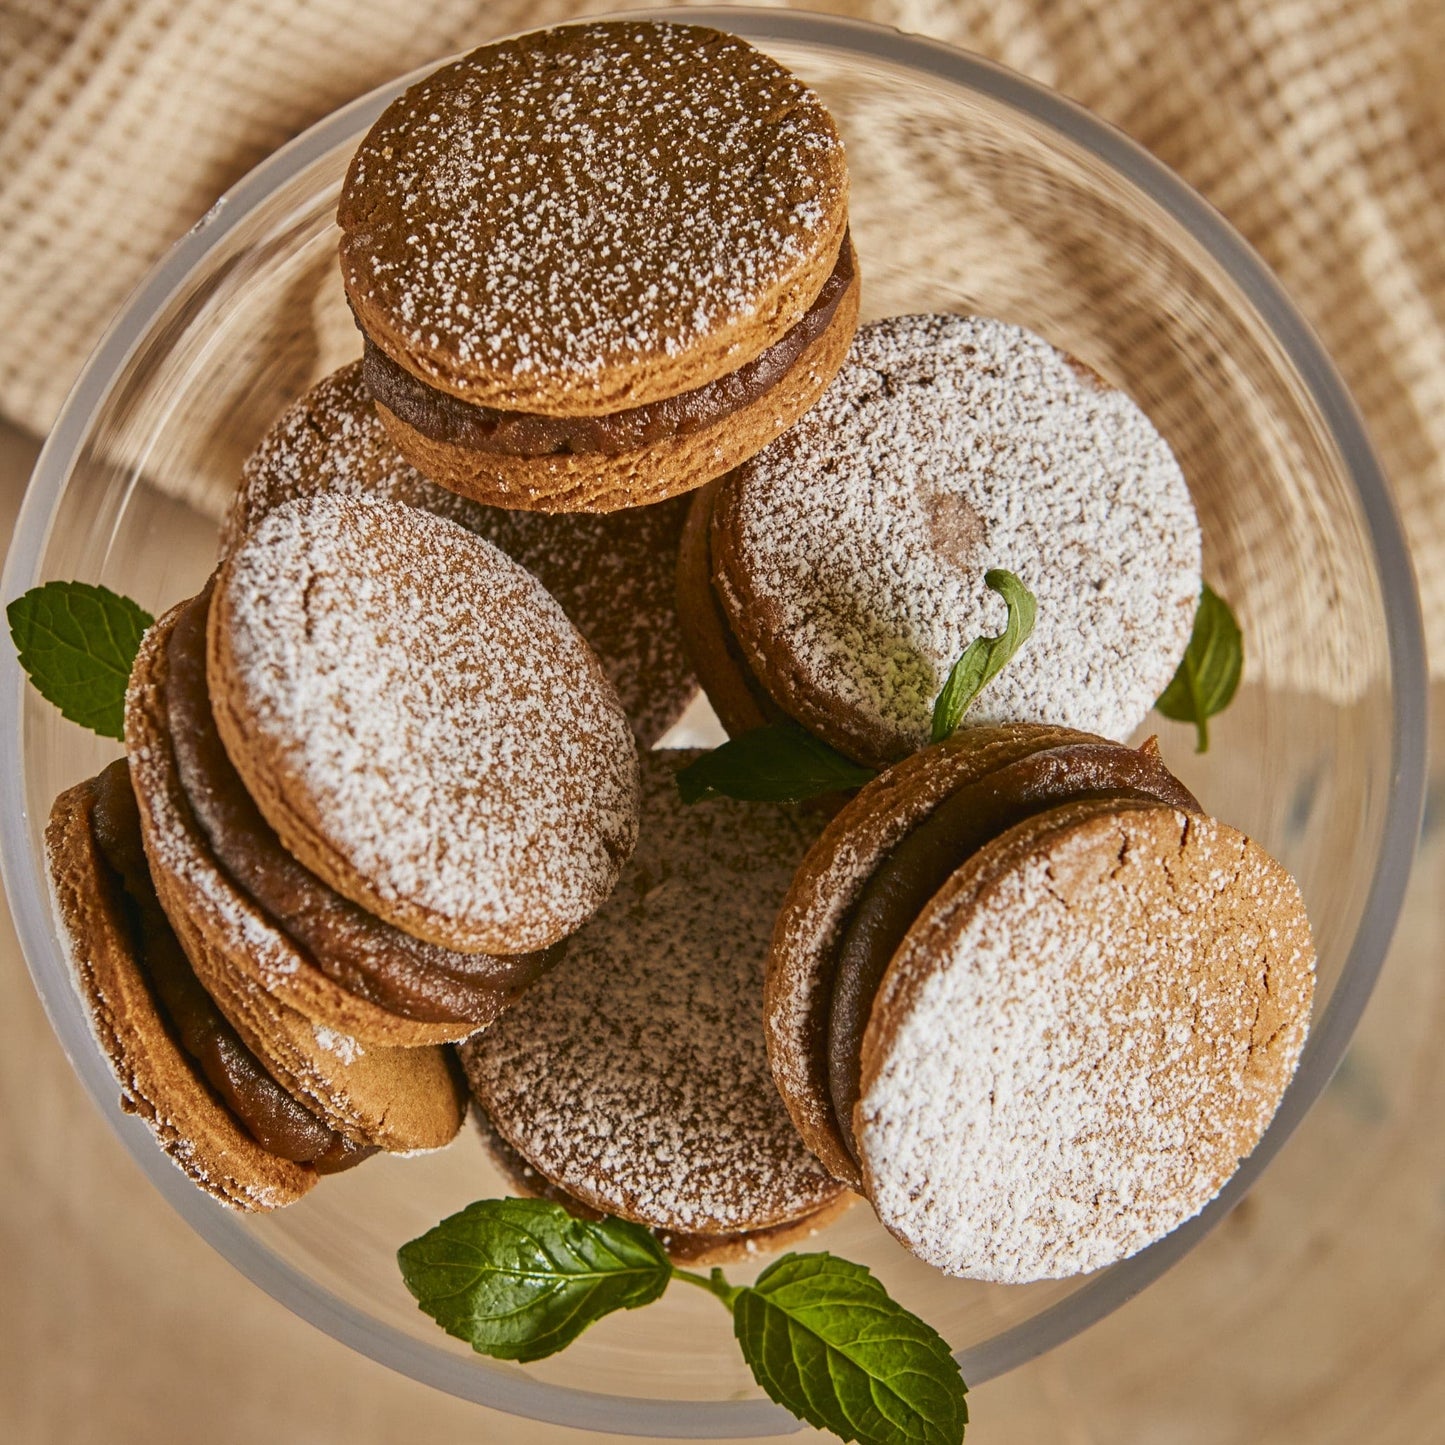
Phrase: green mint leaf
x=823 y=1338
x=985 y=657
x=778 y=764
x=1210 y=669
x=77 y=643
x=520 y=1279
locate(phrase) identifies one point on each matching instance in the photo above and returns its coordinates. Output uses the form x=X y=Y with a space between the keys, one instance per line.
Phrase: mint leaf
x=1210 y=670
x=77 y=643
x=985 y=657
x=778 y=764
x=520 y=1279
x=825 y=1341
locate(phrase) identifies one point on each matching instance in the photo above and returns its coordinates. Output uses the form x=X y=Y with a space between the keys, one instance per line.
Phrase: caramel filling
x=278 y=1122
x=441 y=417
x=404 y=975
x=960 y=827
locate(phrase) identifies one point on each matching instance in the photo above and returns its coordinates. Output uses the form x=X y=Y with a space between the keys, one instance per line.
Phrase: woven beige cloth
x=1316 y=126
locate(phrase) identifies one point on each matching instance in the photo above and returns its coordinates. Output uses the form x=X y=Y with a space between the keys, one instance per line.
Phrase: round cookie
x=309 y=948
x=601 y=241
x=848 y=557
x=397 y=1098
x=158 y=1080
x=420 y=724
x=634 y=1076
x=612 y=573
x=798 y=990
x=1079 y=1039
x=403 y=1100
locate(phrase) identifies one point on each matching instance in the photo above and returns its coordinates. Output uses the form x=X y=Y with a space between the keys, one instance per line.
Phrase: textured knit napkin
x=1316 y=126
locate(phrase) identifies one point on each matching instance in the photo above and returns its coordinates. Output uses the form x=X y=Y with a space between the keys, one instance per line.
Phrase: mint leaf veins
x=1210 y=669
x=824 y=1339
x=519 y=1279
x=985 y=657
x=77 y=642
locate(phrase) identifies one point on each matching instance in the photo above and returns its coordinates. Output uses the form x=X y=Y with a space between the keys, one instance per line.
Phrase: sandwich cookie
x=396 y=1098
x=633 y=1078
x=612 y=573
x=305 y=945
x=598 y=265
x=211 y=1104
x=417 y=720
x=1062 y=1004
x=848 y=559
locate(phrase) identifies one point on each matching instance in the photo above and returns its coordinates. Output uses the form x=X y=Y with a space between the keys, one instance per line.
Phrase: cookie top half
x=612 y=572
x=849 y=556
x=592 y=217
x=1083 y=1034
x=635 y=1076
x=421 y=725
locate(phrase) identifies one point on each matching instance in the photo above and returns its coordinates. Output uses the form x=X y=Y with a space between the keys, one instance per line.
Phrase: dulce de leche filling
x=369 y=958
x=441 y=417
x=961 y=826
x=277 y=1121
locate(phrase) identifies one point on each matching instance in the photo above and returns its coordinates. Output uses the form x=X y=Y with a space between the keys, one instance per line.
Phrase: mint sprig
x=1209 y=672
x=784 y=763
x=781 y=763
x=76 y=643
x=985 y=657
x=519 y=1279
x=824 y=1339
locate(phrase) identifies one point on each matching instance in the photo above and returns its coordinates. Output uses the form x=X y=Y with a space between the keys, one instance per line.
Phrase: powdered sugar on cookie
x=1085 y=1048
x=850 y=554
x=575 y=204
x=634 y=1076
x=420 y=723
x=612 y=572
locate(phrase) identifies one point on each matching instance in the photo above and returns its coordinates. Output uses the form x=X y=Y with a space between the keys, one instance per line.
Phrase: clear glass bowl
x=973 y=190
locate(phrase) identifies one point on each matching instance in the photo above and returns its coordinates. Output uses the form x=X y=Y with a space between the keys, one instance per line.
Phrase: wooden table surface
x=1315 y=1314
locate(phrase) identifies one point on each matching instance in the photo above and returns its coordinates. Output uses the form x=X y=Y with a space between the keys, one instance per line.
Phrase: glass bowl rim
x=510 y=1391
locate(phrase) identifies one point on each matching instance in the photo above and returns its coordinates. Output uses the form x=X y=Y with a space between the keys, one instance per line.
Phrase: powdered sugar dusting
x=948 y=445
x=613 y=572
x=435 y=715
x=1101 y=1037
x=569 y=201
x=634 y=1075
x=331 y=440
x=347 y=1049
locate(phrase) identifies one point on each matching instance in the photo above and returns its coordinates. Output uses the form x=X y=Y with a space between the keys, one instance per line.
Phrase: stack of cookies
x=384 y=795
x=361 y=836
x=597 y=266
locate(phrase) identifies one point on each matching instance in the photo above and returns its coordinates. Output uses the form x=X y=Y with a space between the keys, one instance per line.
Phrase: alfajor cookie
x=211 y=1104
x=420 y=724
x=1057 y=1005
x=633 y=1078
x=825 y=893
x=279 y=927
x=395 y=1098
x=847 y=560
x=598 y=265
x=613 y=573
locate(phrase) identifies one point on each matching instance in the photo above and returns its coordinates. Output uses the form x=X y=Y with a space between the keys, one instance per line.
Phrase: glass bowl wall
x=973 y=190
